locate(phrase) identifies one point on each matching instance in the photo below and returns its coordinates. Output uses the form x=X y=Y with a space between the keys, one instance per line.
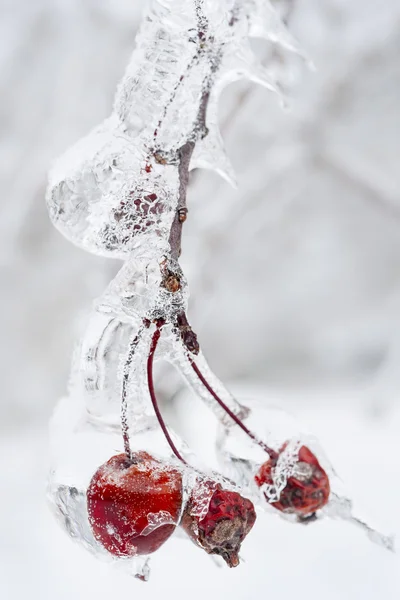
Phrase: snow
x=330 y=557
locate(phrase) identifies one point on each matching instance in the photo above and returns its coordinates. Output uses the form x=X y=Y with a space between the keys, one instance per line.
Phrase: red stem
x=154 y=342
x=272 y=453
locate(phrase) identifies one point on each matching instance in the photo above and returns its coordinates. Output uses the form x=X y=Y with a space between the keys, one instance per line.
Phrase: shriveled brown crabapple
x=218 y=520
x=134 y=504
x=306 y=491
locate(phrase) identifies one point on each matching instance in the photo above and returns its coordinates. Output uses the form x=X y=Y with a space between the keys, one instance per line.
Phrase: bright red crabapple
x=134 y=504
x=225 y=524
x=306 y=490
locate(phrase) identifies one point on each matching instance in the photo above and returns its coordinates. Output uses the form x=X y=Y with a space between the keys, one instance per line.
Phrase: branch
x=200 y=131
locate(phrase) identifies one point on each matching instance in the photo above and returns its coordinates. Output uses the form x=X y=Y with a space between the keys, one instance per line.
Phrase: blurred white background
x=295 y=283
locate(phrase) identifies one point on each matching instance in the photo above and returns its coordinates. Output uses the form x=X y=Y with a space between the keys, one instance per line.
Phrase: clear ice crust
x=116 y=193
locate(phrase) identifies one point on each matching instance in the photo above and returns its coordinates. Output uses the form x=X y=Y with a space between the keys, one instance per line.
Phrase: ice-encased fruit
x=306 y=490
x=79 y=444
x=241 y=457
x=134 y=504
x=218 y=520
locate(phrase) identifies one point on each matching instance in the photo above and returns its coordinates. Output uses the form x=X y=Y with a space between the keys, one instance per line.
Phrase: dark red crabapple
x=223 y=527
x=306 y=491
x=134 y=504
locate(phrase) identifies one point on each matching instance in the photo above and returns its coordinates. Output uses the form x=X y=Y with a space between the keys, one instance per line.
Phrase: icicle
x=209 y=153
x=340 y=507
x=265 y=22
x=141 y=568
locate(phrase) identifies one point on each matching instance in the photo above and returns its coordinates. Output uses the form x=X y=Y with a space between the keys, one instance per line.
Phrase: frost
x=285 y=468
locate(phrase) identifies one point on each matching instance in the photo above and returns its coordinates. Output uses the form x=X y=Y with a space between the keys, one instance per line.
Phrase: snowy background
x=295 y=283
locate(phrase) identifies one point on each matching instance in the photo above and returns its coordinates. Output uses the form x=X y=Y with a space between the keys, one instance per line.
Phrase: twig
x=200 y=130
x=175 y=236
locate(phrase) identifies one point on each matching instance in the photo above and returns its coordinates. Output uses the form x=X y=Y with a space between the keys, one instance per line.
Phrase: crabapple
x=134 y=503
x=306 y=490
x=218 y=520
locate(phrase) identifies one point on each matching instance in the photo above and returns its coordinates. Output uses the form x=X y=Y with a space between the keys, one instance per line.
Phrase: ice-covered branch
x=122 y=192
x=118 y=188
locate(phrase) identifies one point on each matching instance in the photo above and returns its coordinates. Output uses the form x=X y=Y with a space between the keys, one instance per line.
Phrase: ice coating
x=101 y=197
x=341 y=507
x=98 y=360
x=162 y=517
x=285 y=468
x=69 y=507
x=217 y=519
x=79 y=445
x=117 y=189
x=138 y=291
x=134 y=503
x=181 y=359
x=116 y=193
x=241 y=460
x=201 y=495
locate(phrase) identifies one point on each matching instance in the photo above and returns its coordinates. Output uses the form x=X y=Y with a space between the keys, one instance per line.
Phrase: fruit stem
x=124 y=401
x=272 y=453
x=153 y=346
